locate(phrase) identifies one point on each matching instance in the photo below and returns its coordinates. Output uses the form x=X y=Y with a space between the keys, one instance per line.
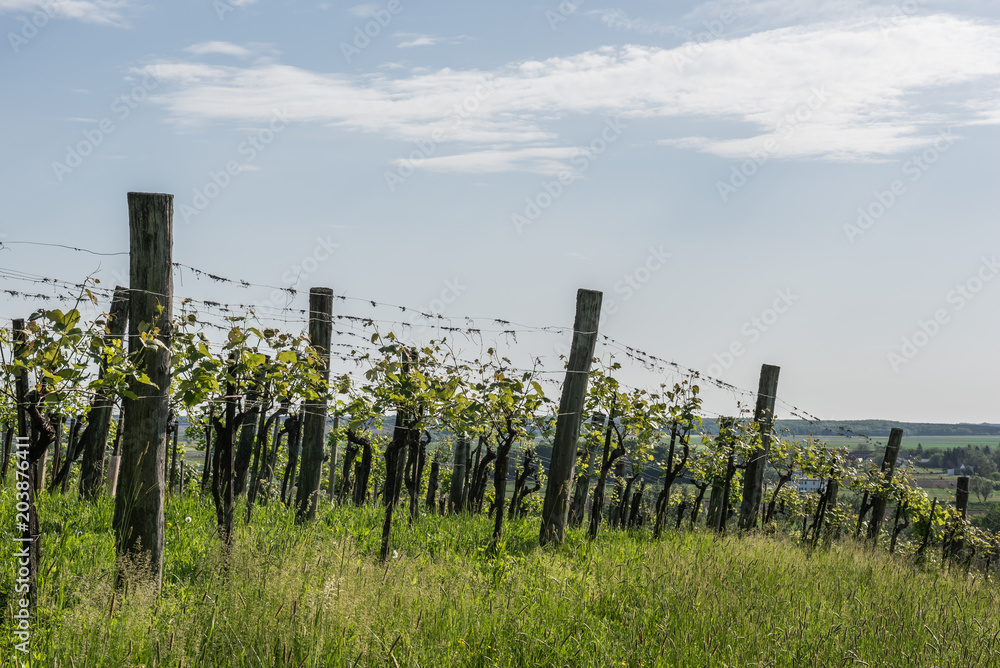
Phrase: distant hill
x=875 y=428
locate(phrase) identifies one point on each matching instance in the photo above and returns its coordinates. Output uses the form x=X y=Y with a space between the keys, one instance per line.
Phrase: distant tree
x=936 y=461
x=990 y=520
x=981 y=487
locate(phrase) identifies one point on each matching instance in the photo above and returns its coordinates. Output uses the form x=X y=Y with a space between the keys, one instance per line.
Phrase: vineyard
x=187 y=482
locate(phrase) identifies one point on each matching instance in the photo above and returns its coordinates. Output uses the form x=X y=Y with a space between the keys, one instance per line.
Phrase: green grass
x=318 y=597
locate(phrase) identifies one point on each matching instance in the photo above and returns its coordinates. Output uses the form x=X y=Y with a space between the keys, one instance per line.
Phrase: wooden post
x=138 y=520
x=314 y=422
x=555 y=508
x=753 y=479
x=962 y=496
x=333 y=458
x=456 y=497
x=888 y=467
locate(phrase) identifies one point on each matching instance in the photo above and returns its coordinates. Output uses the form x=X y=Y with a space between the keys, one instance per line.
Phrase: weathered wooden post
x=456 y=496
x=763 y=415
x=314 y=422
x=555 y=509
x=138 y=520
x=962 y=496
x=880 y=500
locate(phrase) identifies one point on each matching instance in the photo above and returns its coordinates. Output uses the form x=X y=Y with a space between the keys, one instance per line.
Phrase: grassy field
x=318 y=597
x=911 y=442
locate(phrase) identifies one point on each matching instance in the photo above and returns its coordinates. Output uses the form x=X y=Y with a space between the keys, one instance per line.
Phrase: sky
x=806 y=184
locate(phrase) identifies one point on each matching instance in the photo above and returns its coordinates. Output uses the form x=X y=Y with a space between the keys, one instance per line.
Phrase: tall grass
x=317 y=596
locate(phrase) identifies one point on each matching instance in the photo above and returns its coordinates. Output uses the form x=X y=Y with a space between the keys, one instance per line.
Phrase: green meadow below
x=317 y=596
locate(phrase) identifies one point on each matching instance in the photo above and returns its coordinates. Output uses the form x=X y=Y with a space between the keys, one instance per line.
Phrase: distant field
x=911 y=442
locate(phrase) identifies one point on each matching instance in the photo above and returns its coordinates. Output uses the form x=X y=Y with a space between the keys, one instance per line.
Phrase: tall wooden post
x=962 y=496
x=314 y=422
x=888 y=468
x=555 y=509
x=763 y=415
x=138 y=520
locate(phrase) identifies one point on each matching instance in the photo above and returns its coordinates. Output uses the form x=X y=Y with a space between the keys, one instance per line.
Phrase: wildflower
x=395 y=554
x=188 y=520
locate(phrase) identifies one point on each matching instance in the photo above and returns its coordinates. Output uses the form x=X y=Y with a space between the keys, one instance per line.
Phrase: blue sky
x=804 y=184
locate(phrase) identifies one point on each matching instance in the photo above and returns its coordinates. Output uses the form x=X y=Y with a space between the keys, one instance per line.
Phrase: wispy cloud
x=616 y=18
x=882 y=93
x=415 y=39
x=110 y=12
x=224 y=48
x=364 y=11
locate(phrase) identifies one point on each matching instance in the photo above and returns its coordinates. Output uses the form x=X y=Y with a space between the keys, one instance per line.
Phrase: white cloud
x=417 y=39
x=540 y=159
x=225 y=48
x=616 y=18
x=364 y=11
x=108 y=12
x=881 y=91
